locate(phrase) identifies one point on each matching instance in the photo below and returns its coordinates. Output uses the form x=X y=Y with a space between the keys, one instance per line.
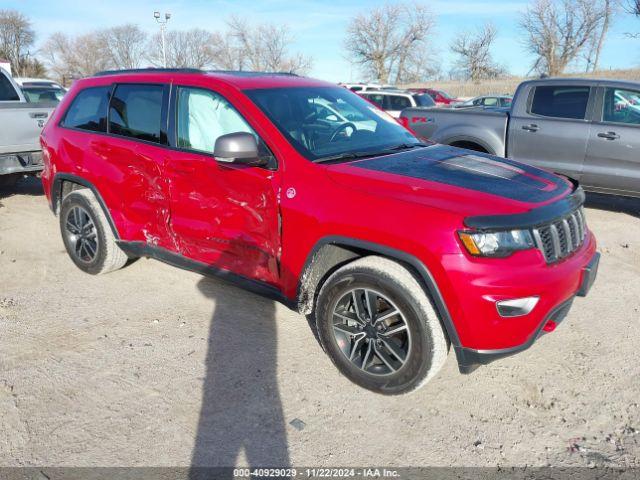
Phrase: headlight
x=496 y=244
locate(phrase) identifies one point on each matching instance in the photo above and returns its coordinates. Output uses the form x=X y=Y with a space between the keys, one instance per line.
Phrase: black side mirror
x=240 y=148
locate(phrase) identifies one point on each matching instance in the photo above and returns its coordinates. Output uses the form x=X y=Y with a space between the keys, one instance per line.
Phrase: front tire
x=87 y=234
x=379 y=328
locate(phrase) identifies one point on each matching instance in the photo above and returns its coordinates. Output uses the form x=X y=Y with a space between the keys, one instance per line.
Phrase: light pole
x=163 y=25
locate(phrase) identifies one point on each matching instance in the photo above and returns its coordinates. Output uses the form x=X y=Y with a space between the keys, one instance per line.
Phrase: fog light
x=517 y=307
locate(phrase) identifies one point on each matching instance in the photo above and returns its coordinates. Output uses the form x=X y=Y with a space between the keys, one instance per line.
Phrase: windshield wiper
x=379 y=153
x=348 y=156
x=407 y=146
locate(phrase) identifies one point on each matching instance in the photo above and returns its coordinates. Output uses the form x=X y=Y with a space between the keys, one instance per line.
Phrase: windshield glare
x=325 y=122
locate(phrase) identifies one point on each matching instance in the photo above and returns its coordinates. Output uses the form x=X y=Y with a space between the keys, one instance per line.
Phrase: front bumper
x=469 y=359
x=24 y=162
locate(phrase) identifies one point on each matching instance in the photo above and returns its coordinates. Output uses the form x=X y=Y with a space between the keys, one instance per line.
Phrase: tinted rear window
x=561 y=102
x=88 y=111
x=136 y=111
x=7 y=92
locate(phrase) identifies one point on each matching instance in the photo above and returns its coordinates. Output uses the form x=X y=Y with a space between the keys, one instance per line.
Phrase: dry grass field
x=507 y=85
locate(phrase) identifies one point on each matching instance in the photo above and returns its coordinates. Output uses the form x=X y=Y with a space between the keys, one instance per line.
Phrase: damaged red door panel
x=226 y=216
x=136 y=177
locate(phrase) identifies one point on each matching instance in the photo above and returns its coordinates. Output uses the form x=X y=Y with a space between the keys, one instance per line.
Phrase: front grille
x=559 y=239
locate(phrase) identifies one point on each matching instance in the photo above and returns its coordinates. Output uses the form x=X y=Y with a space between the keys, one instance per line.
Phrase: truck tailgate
x=21 y=126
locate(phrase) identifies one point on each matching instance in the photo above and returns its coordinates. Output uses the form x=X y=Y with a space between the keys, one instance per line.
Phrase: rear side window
x=136 y=111
x=561 y=101
x=7 y=92
x=88 y=111
x=396 y=102
x=376 y=99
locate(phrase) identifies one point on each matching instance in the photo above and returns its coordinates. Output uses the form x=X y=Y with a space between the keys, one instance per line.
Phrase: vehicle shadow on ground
x=611 y=203
x=26 y=186
x=241 y=407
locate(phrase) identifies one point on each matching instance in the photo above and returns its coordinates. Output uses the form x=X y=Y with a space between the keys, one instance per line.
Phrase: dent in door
x=227 y=217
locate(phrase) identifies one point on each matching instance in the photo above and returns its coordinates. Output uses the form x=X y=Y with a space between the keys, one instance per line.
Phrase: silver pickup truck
x=586 y=129
x=20 y=126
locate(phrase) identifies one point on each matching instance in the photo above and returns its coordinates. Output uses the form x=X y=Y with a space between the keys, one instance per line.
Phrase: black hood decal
x=472 y=170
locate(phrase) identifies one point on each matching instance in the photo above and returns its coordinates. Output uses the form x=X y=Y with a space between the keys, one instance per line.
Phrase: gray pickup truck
x=20 y=126
x=586 y=129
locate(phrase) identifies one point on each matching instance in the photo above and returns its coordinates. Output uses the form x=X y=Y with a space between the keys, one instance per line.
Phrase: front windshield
x=47 y=94
x=322 y=122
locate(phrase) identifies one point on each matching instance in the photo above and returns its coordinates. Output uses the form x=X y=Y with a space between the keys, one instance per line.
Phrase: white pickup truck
x=20 y=126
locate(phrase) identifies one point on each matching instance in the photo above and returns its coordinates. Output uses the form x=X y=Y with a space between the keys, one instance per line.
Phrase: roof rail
x=250 y=73
x=148 y=70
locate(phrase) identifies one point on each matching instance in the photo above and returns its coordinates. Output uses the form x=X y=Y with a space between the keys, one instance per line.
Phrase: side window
x=621 y=106
x=424 y=100
x=490 y=102
x=7 y=92
x=398 y=102
x=377 y=99
x=88 y=111
x=136 y=111
x=203 y=116
x=560 y=101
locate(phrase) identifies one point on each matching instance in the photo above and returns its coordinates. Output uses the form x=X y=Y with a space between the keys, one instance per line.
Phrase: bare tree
x=474 y=52
x=194 y=48
x=125 y=46
x=69 y=57
x=633 y=7
x=390 y=43
x=262 y=47
x=596 y=42
x=16 y=36
x=558 y=31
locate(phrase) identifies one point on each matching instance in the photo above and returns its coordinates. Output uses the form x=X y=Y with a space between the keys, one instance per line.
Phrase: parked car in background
x=38 y=90
x=495 y=101
x=441 y=98
x=367 y=87
x=395 y=249
x=586 y=129
x=20 y=126
x=394 y=101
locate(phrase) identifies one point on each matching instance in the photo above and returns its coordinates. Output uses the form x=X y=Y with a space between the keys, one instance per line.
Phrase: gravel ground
x=152 y=365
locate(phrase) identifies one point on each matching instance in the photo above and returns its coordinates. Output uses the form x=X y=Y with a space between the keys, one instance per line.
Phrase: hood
x=454 y=178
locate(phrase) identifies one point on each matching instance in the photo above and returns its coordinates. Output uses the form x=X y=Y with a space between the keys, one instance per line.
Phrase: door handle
x=609 y=135
x=38 y=115
x=530 y=128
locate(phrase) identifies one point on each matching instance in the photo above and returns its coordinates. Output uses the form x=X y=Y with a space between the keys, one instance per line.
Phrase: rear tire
x=87 y=234
x=385 y=352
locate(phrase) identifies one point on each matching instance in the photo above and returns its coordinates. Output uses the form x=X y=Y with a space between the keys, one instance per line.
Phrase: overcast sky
x=318 y=26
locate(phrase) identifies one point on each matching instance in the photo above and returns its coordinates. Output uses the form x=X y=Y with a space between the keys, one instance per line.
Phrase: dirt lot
x=152 y=365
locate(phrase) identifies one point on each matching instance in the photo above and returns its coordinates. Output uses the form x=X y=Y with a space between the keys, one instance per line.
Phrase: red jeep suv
x=302 y=191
